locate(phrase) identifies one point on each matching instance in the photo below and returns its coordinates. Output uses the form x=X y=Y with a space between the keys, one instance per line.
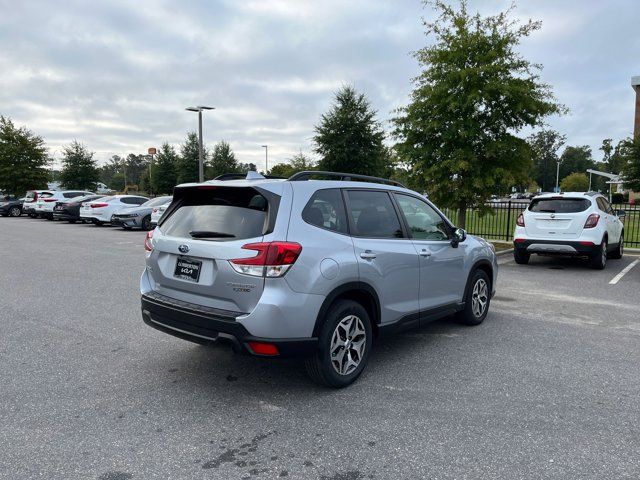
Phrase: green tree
x=348 y=137
x=298 y=163
x=630 y=150
x=575 y=182
x=187 y=168
x=576 y=159
x=23 y=159
x=79 y=169
x=223 y=160
x=544 y=149
x=475 y=91
x=136 y=166
x=164 y=177
x=112 y=173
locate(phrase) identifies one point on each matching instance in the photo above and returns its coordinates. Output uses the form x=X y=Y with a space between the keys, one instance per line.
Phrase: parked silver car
x=309 y=268
x=138 y=217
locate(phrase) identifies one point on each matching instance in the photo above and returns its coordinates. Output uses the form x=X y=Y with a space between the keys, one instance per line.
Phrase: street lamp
x=559 y=161
x=266 y=159
x=199 y=109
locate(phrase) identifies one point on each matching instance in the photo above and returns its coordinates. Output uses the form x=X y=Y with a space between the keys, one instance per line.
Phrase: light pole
x=557 y=175
x=266 y=159
x=199 y=109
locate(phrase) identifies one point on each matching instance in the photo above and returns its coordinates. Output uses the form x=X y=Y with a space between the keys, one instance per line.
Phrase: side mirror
x=621 y=213
x=459 y=235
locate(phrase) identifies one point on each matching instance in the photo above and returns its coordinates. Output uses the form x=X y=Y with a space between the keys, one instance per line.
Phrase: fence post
x=507 y=228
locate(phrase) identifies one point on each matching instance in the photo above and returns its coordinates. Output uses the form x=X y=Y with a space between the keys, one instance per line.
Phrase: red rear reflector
x=520 y=220
x=147 y=241
x=263 y=348
x=592 y=220
x=50 y=199
x=588 y=244
x=99 y=205
x=206 y=187
x=518 y=240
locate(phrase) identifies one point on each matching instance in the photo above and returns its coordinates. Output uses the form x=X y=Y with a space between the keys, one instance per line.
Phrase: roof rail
x=307 y=174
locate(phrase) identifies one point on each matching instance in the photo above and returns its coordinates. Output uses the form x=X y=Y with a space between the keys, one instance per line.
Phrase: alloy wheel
x=479 y=297
x=348 y=344
x=603 y=252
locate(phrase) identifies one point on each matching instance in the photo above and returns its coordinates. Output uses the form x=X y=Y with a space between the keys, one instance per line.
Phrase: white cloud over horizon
x=117 y=75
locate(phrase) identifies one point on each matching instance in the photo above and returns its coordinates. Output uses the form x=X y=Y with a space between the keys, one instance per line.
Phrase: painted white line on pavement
x=624 y=271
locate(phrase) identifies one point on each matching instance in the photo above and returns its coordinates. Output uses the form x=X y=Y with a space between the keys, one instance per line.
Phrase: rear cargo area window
x=219 y=214
x=559 y=205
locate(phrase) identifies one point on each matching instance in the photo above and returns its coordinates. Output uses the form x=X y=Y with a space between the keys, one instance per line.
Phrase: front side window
x=373 y=214
x=424 y=222
x=326 y=210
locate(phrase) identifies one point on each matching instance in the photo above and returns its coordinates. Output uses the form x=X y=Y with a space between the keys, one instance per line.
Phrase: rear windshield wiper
x=210 y=234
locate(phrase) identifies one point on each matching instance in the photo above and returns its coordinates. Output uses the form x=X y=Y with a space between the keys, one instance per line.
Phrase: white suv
x=571 y=223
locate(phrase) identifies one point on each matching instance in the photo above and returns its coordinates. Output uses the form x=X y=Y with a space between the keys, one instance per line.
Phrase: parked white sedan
x=158 y=210
x=100 y=211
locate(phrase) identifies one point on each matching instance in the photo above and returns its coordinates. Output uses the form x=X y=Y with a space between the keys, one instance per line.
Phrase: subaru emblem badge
x=553 y=215
x=184 y=248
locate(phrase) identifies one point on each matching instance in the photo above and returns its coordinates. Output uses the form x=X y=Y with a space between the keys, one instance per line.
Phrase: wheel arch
x=485 y=266
x=360 y=292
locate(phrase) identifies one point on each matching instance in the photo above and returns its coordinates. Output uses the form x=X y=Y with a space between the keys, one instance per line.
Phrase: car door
x=609 y=219
x=442 y=276
x=387 y=259
x=616 y=224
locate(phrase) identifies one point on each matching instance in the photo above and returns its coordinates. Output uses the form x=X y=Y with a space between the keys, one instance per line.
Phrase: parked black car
x=69 y=210
x=11 y=208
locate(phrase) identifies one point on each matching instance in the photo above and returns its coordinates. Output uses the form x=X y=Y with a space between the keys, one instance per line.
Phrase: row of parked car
x=126 y=211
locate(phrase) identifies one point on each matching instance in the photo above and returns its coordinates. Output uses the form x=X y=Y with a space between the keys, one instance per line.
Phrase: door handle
x=368 y=255
x=425 y=253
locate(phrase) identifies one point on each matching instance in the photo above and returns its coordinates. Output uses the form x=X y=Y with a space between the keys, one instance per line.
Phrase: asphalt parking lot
x=547 y=387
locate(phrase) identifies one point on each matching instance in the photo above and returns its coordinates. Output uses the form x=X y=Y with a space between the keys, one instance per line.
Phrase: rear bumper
x=64 y=215
x=556 y=247
x=208 y=325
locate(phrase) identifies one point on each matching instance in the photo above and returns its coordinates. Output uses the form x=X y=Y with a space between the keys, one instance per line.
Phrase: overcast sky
x=117 y=75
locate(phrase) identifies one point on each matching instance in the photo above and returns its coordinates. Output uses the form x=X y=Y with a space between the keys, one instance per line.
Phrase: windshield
x=559 y=205
x=157 y=201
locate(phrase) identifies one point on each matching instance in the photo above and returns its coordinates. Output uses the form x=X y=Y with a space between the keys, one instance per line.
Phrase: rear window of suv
x=559 y=205
x=219 y=214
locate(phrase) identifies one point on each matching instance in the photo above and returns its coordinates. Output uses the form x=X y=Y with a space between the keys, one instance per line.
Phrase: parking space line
x=624 y=271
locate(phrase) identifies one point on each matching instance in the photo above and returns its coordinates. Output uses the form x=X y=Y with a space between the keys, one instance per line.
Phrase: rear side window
x=373 y=214
x=46 y=195
x=326 y=210
x=223 y=213
x=559 y=205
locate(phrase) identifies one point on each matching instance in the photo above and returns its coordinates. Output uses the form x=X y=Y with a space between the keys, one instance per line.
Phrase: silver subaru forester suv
x=308 y=267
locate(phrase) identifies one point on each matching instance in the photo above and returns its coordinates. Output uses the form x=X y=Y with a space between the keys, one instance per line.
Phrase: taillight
x=99 y=205
x=50 y=200
x=274 y=259
x=260 y=348
x=520 y=220
x=592 y=220
x=147 y=241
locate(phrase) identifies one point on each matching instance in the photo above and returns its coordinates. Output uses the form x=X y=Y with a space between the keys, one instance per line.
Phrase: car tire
x=146 y=223
x=599 y=259
x=619 y=251
x=126 y=227
x=520 y=257
x=33 y=215
x=71 y=221
x=98 y=223
x=15 y=212
x=477 y=299
x=346 y=328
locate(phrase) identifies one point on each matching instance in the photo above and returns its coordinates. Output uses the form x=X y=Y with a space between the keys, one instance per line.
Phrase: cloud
x=117 y=75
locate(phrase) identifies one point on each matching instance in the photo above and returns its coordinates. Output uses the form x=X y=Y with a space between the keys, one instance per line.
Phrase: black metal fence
x=501 y=222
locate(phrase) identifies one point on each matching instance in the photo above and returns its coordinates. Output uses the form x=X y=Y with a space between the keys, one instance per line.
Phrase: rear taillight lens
x=50 y=200
x=99 y=205
x=274 y=259
x=147 y=241
x=520 y=220
x=592 y=220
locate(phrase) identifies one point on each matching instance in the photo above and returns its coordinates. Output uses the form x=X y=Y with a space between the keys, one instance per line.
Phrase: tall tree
x=630 y=151
x=79 y=168
x=164 y=176
x=23 y=159
x=112 y=173
x=576 y=159
x=223 y=160
x=544 y=149
x=187 y=169
x=136 y=167
x=575 y=182
x=475 y=91
x=348 y=137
